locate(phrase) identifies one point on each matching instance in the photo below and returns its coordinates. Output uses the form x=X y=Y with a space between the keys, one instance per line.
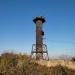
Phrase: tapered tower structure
x=39 y=50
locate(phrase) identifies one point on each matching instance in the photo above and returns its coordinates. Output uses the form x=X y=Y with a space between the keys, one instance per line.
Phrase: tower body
x=39 y=46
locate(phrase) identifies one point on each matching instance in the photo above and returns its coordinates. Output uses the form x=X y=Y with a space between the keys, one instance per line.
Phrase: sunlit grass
x=18 y=64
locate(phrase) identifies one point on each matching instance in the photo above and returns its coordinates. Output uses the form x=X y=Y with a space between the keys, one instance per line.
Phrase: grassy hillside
x=17 y=64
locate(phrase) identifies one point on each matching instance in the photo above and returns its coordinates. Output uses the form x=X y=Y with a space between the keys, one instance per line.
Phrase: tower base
x=44 y=52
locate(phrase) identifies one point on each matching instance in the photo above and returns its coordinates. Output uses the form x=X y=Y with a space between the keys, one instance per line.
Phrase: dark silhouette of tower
x=39 y=50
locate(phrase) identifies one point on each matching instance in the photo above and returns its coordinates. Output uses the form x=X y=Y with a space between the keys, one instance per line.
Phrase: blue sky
x=17 y=30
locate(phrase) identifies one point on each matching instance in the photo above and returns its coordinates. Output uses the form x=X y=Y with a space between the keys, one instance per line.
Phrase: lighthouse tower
x=39 y=50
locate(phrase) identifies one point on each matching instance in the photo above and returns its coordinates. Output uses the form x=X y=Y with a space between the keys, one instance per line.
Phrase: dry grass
x=17 y=64
x=65 y=63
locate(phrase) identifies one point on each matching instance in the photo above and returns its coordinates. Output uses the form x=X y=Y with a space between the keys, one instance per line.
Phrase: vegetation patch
x=18 y=64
